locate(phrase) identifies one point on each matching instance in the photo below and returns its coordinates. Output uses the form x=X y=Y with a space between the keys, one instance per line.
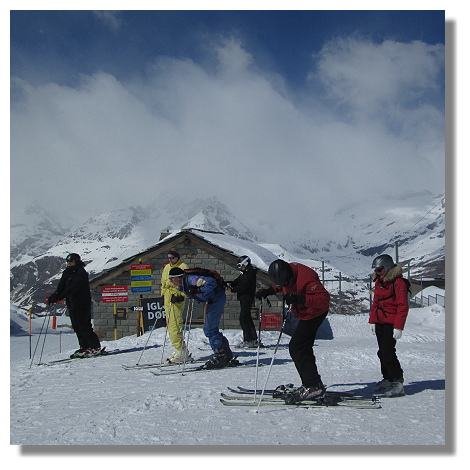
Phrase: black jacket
x=75 y=288
x=245 y=284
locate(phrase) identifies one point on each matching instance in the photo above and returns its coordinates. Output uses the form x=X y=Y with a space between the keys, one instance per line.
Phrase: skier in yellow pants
x=174 y=301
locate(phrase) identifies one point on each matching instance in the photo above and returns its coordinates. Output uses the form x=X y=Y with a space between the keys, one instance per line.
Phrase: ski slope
x=95 y=402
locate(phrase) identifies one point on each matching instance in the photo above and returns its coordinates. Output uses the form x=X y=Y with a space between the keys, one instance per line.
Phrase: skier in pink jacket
x=387 y=319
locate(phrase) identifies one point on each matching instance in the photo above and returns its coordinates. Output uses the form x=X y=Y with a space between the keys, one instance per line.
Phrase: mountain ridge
x=363 y=231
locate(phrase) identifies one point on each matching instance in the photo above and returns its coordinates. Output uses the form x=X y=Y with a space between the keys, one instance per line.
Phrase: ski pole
x=148 y=339
x=45 y=336
x=188 y=331
x=168 y=318
x=39 y=337
x=272 y=359
x=259 y=342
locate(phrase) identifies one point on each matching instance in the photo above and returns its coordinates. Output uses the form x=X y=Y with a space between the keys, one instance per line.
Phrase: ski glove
x=53 y=298
x=263 y=293
x=176 y=299
x=397 y=333
x=193 y=290
x=294 y=299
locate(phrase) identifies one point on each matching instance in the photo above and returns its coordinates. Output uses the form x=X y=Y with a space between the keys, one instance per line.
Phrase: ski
x=102 y=353
x=201 y=368
x=304 y=404
x=157 y=365
x=269 y=392
x=327 y=400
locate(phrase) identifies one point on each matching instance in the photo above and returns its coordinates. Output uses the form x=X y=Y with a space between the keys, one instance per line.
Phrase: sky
x=283 y=115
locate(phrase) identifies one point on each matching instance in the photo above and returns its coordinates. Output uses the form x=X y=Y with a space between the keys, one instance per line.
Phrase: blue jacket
x=208 y=287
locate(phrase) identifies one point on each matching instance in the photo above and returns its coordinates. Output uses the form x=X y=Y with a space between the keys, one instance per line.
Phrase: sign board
x=141 y=278
x=153 y=315
x=112 y=294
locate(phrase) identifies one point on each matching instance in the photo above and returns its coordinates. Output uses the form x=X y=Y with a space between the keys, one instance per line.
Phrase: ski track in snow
x=96 y=402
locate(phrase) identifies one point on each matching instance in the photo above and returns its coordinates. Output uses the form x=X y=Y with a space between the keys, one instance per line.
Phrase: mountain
x=103 y=240
x=34 y=232
x=415 y=222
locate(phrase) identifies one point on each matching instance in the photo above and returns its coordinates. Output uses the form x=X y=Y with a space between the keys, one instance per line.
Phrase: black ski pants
x=389 y=364
x=81 y=324
x=301 y=350
x=246 y=322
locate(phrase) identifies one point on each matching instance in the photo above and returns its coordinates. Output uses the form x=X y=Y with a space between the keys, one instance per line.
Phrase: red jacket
x=307 y=283
x=390 y=303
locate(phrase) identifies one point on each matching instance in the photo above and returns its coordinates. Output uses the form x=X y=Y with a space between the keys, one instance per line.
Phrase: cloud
x=286 y=159
x=109 y=18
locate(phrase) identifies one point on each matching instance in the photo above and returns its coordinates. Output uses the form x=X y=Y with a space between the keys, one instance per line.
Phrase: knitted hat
x=175 y=272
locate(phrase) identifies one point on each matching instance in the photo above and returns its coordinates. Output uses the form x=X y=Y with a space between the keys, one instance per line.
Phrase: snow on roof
x=260 y=257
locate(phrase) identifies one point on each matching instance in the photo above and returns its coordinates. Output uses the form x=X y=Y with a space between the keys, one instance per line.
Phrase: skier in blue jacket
x=207 y=289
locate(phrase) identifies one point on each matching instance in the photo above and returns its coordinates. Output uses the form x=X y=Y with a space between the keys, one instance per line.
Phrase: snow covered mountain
x=413 y=224
x=416 y=222
x=34 y=232
x=103 y=240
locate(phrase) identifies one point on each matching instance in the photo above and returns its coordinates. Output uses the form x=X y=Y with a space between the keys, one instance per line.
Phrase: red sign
x=111 y=294
x=138 y=267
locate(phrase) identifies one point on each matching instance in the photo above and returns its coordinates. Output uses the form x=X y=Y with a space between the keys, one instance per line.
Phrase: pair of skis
x=248 y=397
x=103 y=352
x=201 y=366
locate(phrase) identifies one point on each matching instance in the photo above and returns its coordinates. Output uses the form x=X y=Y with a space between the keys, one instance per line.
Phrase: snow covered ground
x=97 y=402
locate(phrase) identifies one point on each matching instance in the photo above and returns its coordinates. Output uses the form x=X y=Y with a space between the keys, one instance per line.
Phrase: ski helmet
x=280 y=272
x=72 y=257
x=383 y=261
x=243 y=261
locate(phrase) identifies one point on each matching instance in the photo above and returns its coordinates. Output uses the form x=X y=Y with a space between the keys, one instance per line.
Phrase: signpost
x=114 y=294
x=153 y=313
x=141 y=278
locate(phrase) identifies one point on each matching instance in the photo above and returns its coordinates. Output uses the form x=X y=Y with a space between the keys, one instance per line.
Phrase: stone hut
x=198 y=248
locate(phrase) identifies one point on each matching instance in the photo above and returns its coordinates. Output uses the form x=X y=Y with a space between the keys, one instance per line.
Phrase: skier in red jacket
x=309 y=301
x=387 y=319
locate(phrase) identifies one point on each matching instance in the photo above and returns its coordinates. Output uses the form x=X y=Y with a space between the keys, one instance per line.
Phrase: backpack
x=206 y=273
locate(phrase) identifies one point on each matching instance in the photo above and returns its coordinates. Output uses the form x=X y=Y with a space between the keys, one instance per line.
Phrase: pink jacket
x=390 y=304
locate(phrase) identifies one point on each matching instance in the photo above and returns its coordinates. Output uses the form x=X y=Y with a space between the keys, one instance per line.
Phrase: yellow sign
x=141 y=272
x=141 y=283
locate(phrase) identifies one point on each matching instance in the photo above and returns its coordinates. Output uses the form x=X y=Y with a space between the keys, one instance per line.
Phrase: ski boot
x=90 y=352
x=79 y=353
x=180 y=357
x=303 y=393
x=395 y=390
x=221 y=358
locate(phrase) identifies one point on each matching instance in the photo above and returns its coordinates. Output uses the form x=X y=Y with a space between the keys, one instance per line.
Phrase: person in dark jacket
x=245 y=288
x=309 y=301
x=387 y=320
x=75 y=289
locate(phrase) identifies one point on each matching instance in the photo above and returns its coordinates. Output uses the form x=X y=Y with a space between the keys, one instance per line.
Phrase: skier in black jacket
x=74 y=287
x=245 y=287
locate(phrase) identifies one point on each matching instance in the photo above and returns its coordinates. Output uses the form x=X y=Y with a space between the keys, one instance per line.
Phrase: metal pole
x=145 y=346
x=274 y=355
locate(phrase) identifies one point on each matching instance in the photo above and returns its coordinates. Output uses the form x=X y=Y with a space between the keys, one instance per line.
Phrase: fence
x=350 y=301
x=427 y=300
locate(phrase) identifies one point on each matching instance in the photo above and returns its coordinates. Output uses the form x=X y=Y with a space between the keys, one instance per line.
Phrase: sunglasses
x=379 y=270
